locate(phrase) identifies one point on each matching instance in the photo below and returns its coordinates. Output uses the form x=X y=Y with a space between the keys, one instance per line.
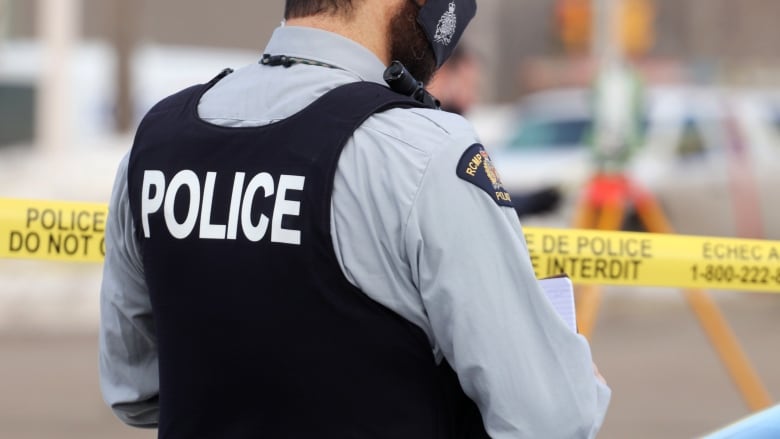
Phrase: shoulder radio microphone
x=401 y=81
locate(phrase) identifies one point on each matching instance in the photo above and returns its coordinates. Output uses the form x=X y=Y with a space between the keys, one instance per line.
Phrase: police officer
x=296 y=251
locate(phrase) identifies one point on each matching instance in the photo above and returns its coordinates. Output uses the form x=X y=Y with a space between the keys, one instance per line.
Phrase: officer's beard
x=409 y=45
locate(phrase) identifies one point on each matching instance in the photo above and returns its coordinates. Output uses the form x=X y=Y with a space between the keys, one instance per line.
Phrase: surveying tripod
x=602 y=206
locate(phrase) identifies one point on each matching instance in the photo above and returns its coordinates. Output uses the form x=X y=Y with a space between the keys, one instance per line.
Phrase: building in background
x=522 y=42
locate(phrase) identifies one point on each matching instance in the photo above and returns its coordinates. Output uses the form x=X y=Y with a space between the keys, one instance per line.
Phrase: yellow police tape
x=52 y=230
x=625 y=258
x=67 y=231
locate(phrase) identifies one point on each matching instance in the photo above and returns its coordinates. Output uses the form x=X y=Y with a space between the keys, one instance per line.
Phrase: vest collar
x=329 y=48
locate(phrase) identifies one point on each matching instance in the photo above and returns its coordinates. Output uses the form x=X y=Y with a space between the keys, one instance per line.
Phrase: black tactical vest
x=260 y=334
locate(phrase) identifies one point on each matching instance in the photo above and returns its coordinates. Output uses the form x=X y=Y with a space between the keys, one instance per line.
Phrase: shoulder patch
x=476 y=167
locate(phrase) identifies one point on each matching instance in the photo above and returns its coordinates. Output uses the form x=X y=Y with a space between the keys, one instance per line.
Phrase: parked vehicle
x=710 y=155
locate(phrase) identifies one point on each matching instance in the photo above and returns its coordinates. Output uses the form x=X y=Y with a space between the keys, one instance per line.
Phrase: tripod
x=603 y=207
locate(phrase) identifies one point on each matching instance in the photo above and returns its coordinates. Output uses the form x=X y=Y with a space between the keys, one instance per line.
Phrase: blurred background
x=683 y=96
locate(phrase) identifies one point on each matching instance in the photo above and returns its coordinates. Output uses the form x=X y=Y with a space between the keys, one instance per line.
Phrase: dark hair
x=306 y=8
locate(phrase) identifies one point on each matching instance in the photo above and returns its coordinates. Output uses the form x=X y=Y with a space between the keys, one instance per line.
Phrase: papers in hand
x=560 y=291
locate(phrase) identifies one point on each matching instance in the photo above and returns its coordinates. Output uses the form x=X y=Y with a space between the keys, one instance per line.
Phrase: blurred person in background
x=456 y=85
x=295 y=250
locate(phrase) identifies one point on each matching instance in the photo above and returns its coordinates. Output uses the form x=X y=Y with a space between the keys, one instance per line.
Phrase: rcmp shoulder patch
x=476 y=167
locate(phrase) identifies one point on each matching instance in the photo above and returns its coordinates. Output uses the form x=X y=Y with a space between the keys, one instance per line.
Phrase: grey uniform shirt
x=432 y=247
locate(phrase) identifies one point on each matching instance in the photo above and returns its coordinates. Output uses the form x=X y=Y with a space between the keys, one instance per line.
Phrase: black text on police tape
x=589 y=257
x=59 y=232
x=55 y=243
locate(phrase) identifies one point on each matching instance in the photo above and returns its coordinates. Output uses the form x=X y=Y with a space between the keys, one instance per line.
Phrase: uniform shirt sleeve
x=528 y=373
x=127 y=347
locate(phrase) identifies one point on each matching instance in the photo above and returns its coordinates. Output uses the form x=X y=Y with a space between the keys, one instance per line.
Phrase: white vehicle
x=710 y=155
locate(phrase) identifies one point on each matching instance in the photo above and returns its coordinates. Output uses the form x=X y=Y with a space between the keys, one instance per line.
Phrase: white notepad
x=560 y=291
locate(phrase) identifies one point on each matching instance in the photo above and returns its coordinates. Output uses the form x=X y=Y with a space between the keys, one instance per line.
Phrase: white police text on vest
x=157 y=194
